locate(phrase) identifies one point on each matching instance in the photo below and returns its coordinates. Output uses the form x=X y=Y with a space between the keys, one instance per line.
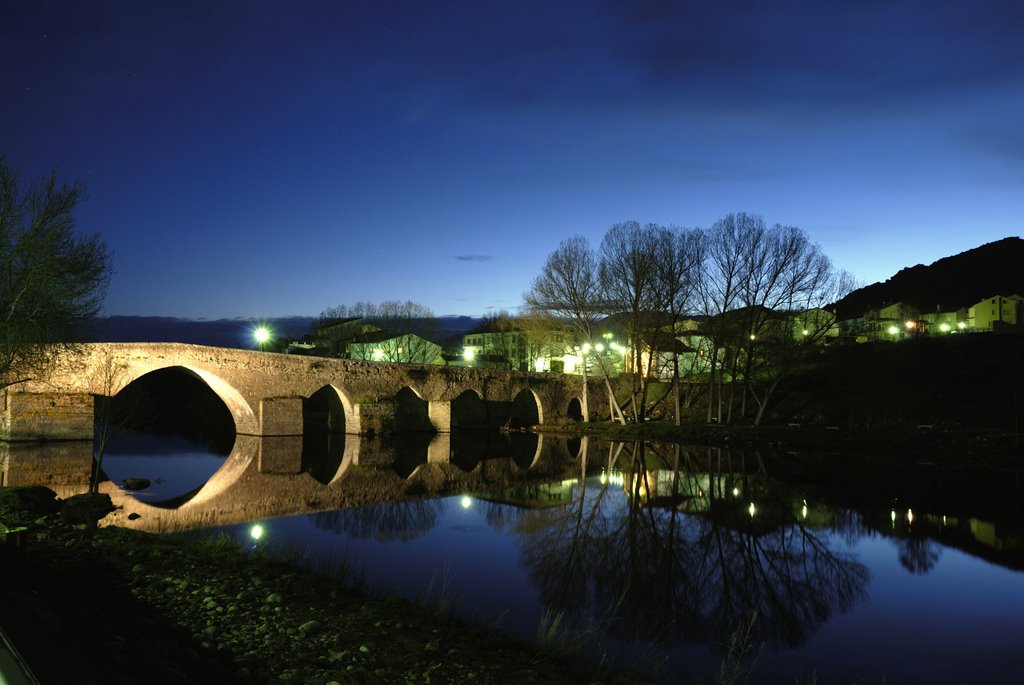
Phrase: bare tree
x=567 y=293
x=52 y=281
x=804 y=325
x=758 y=284
x=677 y=274
x=721 y=276
x=629 y=259
x=786 y=275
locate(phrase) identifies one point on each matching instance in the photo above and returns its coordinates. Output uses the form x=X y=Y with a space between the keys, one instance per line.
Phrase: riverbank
x=108 y=605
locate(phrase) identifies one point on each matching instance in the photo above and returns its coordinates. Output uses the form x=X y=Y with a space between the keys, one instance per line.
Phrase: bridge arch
x=574 y=410
x=526 y=409
x=412 y=411
x=244 y=418
x=329 y=407
x=469 y=410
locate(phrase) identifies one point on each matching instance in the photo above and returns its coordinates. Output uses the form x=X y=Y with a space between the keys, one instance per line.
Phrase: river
x=650 y=558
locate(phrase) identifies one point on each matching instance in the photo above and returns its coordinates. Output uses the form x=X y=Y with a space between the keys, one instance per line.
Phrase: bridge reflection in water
x=266 y=477
x=651 y=553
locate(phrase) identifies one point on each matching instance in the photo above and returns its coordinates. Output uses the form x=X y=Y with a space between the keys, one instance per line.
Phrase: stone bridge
x=275 y=394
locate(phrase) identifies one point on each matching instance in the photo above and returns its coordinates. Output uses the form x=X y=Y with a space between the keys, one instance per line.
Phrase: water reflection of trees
x=918 y=555
x=401 y=521
x=655 y=573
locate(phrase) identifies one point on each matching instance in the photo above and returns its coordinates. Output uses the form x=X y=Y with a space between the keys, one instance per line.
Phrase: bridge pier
x=439 y=451
x=440 y=415
x=46 y=416
x=281 y=416
x=372 y=418
x=280 y=454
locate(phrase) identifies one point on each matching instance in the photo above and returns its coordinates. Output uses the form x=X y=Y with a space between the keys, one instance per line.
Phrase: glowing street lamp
x=261 y=334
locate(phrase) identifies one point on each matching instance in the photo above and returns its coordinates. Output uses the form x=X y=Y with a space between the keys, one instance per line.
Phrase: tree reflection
x=401 y=521
x=656 y=572
x=918 y=555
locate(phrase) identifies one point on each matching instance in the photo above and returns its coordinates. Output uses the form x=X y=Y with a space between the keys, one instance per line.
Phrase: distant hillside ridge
x=963 y=280
x=234 y=332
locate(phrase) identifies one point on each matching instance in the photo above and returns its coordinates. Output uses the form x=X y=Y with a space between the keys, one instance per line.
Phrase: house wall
x=993 y=312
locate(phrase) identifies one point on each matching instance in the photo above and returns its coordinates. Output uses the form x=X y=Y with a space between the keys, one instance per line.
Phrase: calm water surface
x=652 y=560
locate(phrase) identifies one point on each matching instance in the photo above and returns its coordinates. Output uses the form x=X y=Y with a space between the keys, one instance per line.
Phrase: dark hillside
x=969 y=382
x=950 y=283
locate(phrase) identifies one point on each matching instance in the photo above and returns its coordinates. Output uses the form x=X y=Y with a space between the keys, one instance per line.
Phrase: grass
x=742 y=653
x=555 y=635
x=437 y=593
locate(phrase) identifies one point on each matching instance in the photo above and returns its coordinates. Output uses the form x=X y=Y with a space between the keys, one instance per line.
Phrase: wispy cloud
x=475 y=257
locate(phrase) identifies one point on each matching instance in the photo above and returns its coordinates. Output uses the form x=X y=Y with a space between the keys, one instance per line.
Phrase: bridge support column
x=281 y=416
x=439 y=451
x=440 y=415
x=65 y=467
x=353 y=422
x=46 y=416
x=374 y=418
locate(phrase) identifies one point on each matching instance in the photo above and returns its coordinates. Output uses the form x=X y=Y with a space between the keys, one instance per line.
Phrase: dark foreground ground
x=89 y=605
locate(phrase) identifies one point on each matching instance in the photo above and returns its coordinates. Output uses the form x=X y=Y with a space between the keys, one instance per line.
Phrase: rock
x=136 y=483
x=310 y=627
x=274 y=598
x=20 y=506
x=87 y=508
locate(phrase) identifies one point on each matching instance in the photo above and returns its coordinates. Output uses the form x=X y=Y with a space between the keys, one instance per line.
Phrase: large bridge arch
x=245 y=419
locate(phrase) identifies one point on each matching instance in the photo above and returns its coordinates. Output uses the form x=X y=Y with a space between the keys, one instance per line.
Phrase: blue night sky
x=260 y=159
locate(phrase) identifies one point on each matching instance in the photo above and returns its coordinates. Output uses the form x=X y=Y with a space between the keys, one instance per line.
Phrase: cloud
x=475 y=257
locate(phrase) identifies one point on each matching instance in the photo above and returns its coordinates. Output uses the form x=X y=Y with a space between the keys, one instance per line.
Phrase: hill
x=962 y=280
x=234 y=332
x=214 y=332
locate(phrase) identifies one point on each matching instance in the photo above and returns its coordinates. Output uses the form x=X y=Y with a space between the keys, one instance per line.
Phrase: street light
x=261 y=334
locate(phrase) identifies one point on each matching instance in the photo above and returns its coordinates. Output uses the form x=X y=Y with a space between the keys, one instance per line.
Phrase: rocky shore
x=108 y=605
